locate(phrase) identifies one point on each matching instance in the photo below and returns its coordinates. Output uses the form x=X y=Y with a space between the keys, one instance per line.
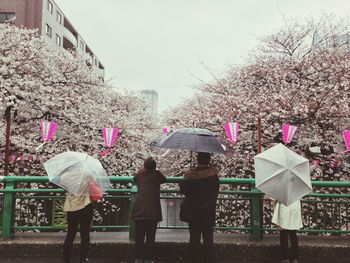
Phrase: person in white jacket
x=288 y=219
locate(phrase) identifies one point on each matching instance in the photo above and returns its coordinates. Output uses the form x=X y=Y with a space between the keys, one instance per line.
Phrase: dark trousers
x=145 y=238
x=284 y=244
x=82 y=217
x=197 y=255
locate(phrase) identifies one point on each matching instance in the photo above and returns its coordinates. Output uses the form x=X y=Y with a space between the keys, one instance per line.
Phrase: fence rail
x=31 y=203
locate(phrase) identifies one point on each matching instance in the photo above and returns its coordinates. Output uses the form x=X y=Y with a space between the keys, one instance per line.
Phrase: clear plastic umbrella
x=282 y=174
x=73 y=171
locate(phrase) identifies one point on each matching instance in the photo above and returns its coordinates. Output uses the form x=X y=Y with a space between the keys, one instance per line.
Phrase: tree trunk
x=7 y=145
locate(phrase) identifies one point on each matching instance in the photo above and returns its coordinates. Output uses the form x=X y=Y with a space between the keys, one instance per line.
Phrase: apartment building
x=48 y=18
x=151 y=98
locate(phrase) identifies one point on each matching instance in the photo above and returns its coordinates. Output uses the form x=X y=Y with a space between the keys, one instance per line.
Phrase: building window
x=7 y=17
x=49 y=6
x=58 y=40
x=82 y=46
x=59 y=18
x=48 y=31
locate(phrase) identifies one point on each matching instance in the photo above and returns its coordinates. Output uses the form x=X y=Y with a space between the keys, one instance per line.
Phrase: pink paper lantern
x=315 y=163
x=231 y=129
x=288 y=132
x=168 y=129
x=346 y=135
x=109 y=136
x=47 y=130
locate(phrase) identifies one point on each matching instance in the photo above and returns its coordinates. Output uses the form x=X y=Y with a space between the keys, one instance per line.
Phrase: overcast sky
x=162 y=44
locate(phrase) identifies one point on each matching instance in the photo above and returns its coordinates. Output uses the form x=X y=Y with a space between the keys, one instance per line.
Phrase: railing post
x=59 y=218
x=133 y=192
x=8 y=210
x=256 y=214
x=8 y=142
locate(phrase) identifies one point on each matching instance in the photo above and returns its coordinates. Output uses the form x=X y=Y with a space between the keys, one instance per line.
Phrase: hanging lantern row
x=288 y=131
x=109 y=135
x=231 y=129
x=48 y=128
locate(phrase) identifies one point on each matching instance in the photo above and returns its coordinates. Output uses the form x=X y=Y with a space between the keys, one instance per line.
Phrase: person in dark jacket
x=200 y=187
x=147 y=211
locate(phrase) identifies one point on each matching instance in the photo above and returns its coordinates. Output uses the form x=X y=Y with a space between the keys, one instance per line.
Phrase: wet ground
x=101 y=260
x=115 y=247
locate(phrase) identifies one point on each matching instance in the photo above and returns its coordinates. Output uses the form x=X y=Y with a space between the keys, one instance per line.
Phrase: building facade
x=151 y=98
x=48 y=18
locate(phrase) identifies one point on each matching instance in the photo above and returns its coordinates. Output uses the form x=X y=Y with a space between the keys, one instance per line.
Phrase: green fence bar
x=54 y=196
x=256 y=214
x=132 y=230
x=8 y=213
x=59 y=217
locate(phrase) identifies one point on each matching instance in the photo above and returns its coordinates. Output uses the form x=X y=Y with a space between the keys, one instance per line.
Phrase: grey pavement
x=108 y=247
x=176 y=236
x=101 y=260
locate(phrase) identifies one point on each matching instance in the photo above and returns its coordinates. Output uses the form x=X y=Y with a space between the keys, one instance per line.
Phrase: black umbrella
x=192 y=139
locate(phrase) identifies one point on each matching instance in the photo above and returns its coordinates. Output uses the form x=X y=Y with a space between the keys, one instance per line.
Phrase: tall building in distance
x=51 y=22
x=151 y=98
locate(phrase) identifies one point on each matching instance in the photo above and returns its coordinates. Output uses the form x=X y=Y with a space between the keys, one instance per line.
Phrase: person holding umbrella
x=284 y=176
x=79 y=213
x=288 y=219
x=200 y=187
x=147 y=211
x=85 y=181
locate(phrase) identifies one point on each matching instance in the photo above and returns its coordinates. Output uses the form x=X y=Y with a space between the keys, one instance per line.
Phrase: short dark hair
x=150 y=164
x=203 y=158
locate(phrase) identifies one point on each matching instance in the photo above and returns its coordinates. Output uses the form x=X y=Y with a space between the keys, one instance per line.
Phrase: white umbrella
x=74 y=170
x=282 y=174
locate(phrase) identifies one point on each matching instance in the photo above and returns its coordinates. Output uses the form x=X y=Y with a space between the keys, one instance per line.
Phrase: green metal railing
x=244 y=205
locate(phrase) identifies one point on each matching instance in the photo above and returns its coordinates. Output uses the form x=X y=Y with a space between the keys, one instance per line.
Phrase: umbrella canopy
x=282 y=174
x=74 y=170
x=193 y=139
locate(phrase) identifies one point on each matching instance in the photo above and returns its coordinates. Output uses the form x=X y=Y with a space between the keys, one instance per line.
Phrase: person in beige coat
x=288 y=219
x=79 y=213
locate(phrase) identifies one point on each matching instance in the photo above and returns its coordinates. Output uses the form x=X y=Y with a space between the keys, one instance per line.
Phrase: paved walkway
x=115 y=247
x=176 y=236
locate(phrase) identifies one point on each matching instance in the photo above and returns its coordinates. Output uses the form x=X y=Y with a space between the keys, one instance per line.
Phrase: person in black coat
x=201 y=188
x=147 y=211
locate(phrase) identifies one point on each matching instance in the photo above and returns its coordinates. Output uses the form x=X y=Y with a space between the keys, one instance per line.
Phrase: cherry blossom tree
x=299 y=75
x=38 y=82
